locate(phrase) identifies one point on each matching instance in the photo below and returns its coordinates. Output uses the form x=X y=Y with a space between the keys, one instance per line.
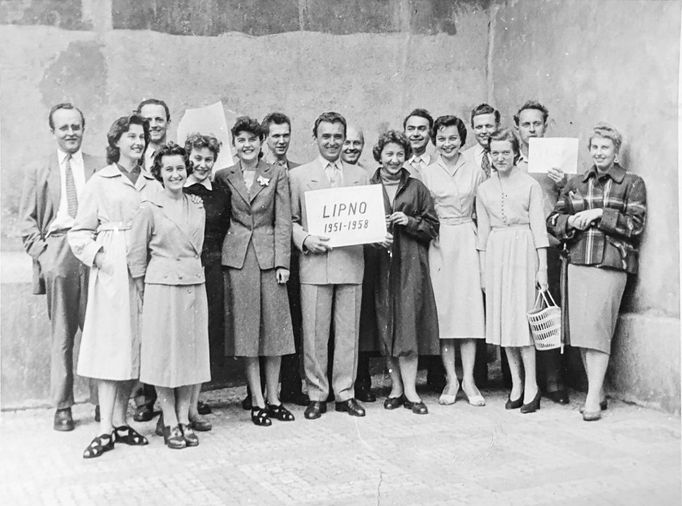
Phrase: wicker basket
x=545 y=323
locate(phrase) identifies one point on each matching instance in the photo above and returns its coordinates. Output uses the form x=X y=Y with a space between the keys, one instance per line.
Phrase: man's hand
x=388 y=241
x=282 y=275
x=316 y=244
x=558 y=176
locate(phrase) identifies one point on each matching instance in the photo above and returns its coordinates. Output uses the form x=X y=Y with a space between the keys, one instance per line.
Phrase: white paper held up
x=545 y=153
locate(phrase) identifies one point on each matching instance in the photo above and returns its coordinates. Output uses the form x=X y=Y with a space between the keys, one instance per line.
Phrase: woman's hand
x=388 y=241
x=282 y=275
x=584 y=219
x=541 y=279
x=398 y=218
x=558 y=176
x=99 y=259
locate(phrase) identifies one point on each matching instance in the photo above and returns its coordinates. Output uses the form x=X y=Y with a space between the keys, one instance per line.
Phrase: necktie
x=70 y=183
x=333 y=175
x=485 y=164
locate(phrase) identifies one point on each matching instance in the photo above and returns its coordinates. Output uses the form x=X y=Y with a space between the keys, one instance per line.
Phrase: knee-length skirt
x=257 y=316
x=594 y=297
x=174 y=336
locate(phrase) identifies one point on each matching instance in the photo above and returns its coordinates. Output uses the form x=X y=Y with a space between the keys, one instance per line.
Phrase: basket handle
x=544 y=297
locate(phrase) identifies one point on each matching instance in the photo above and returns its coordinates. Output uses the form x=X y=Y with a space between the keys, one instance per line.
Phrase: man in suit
x=49 y=203
x=417 y=127
x=485 y=119
x=331 y=279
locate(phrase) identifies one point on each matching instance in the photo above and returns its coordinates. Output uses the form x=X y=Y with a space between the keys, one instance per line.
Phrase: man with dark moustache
x=49 y=203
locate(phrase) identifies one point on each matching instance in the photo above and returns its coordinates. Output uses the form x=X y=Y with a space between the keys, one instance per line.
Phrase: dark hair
x=447 y=121
x=199 y=141
x=505 y=134
x=532 y=104
x=63 y=105
x=118 y=128
x=388 y=137
x=246 y=124
x=170 y=149
x=422 y=113
x=329 y=117
x=484 y=109
x=154 y=101
x=278 y=118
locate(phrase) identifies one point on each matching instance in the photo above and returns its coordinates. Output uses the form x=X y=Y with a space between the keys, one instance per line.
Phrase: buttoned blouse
x=453 y=189
x=510 y=202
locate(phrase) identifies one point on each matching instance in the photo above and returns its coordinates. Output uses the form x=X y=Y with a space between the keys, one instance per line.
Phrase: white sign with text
x=347 y=215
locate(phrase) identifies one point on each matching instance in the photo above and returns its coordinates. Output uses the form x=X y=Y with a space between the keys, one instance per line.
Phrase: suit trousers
x=322 y=304
x=66 y=286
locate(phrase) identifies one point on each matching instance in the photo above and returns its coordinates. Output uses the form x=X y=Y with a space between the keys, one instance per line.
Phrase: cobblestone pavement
x=457 y=454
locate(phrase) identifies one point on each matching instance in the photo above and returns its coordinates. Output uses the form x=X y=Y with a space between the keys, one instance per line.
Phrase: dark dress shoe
x=143 y=413
x=365 y=394
x=159 y=426
x=97 y=416
x=351 y=407
x=203 y=408
x=418 y=408
x=200 y=424
x=63 y=421
x=558 y=396
x=246 y=403
x=315 y=410
x=294 y=397
x=394 y=402
x=533 y=405
x=513 y=404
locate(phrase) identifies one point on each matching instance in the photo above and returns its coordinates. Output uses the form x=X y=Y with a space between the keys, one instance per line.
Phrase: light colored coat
x=344 y=265
x=261 y=216
x=40 y=199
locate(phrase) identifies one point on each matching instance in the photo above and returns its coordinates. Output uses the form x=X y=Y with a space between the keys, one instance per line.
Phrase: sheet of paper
x=545 y=153
x=208 y=120
x=347 y=215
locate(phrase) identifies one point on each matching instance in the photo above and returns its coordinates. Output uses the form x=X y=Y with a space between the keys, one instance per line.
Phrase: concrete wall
x=372 y=60
x=612 y=61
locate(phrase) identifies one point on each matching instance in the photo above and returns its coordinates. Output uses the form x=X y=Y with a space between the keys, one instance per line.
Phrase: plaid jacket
x=610 y=242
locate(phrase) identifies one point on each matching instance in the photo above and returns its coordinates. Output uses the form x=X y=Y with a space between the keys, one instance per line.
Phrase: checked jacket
x=610 y=242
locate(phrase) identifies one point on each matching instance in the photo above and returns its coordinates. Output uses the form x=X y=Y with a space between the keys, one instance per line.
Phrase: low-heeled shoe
x=351 y=407
x=315 y=410
x=394 y=402
x=603 y=405
x=516 y=404
x=592 y=416
x=365 y=394
x=200 y=424
x=418 y=408
x=63 y=421
x=203 y=408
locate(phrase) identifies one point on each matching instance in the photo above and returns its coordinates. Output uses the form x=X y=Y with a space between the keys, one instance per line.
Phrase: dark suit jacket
x=263 y=216
x=39 y=205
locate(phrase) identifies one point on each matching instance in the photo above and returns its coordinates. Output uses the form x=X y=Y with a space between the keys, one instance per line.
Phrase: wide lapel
x=318 y=179
x=54 y=181
x=263 y=174
x=89 y=166
x=234 y=176
x=161 y=199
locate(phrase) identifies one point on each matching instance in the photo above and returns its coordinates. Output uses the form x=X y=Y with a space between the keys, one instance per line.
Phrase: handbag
x=545 y=323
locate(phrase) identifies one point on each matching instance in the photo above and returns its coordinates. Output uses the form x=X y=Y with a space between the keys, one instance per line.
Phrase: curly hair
x=199 y=141
x=116 y=131
x=603 y=129
x=329 y=117
x=170 y=149
x=422 y=113
x=447 y=121
x=246 y=124
x=532 y=105
x=391 y=136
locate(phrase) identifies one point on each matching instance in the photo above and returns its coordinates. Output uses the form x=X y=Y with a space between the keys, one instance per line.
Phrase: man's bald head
x=352 y=147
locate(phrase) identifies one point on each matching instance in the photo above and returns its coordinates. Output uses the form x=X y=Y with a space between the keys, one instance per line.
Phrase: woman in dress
x=110 y=344
x=453 y=259
x=599 y=217
x=167 y=236
x=512 y=244
x=405 y=306
x=203 y=151
x=256 y=253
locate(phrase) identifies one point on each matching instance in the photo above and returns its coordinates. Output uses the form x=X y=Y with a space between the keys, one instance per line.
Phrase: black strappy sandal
x=279 y=412
x=126 y=434
x=259 y=416
x=99 y=445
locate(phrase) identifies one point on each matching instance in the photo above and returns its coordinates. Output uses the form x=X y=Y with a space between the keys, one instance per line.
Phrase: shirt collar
x=616 y=172
x=61 y=155
x=424 y=158
x=206 y=182
x=338 y=164
x=446 y=168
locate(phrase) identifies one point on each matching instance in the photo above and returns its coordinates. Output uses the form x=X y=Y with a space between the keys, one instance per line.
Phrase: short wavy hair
x=276 y=118
x=170 y=149
x=67 y=106
x=154 y=101
x=391 y=136
x=246 y=124
x=116 y=131
x=329 y=117
x=532 y=105
x=447 y=121
x=422 y=113
x=485 y=109
x=505 y=134
x=607 y=131
x=200 y=141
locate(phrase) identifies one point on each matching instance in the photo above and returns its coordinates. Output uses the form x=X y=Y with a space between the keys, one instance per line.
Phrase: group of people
x=173 y=265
